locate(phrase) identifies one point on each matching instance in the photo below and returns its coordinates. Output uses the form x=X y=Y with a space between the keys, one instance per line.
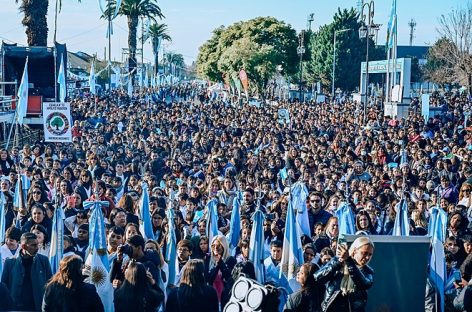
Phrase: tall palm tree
x=133 y=10
x=158 y=33
x=35 y=21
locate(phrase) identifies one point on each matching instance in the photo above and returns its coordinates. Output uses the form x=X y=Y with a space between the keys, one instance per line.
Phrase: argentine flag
x=171 y=249
x=2 y=220
x=56 y=251
x=212 y=222
x=298 y=198
x=23 y=95
x=401 y=226
x=61 y=80
x=346 y=219
x=97 y=260
x=292 y=254
x=235 y=226
x=257 y=245
x=145 y=225
x=92 y=79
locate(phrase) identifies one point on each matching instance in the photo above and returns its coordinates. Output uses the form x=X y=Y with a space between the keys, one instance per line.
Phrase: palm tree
x=35 y=21
x=158 y=33
x=133 y=10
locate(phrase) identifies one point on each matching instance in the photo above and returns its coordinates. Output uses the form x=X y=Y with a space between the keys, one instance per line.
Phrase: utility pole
x=300 y=52
x=412 y=24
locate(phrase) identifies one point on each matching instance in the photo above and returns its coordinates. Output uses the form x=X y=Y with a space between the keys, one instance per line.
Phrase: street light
x=368 y=30
x=300 y=52
x=334 y=56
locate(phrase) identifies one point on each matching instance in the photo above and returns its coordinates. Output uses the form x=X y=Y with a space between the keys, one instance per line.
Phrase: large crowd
x=198 y=148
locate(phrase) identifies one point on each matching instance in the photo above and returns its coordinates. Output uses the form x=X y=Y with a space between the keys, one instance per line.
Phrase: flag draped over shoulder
x=257 y=245
x=56 y=251
x=171 y=249
x=401 y=226
x=97 y=260
x=145 y=225
x=292 y=254
x=346 y=219
x=298 y=198
x=212 y=222
x=235 y=227
x=23 y=95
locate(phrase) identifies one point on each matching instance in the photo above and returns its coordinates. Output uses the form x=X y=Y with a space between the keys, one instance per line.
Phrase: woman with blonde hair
x=221 y=265
x=348 y=277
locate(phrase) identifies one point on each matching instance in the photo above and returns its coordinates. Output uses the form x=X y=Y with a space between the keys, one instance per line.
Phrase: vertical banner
x=244 y=81
x=425 y=106
x=57 y=122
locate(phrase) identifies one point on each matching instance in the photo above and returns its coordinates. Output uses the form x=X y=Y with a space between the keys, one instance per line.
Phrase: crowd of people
x=199 y=148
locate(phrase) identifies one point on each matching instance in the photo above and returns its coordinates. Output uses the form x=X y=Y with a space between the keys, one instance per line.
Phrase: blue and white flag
x=56 y=251
x=292 y=253
x=23 y=95
x=437 y=223
x=212 y=222
x=392 y=25
x=437 y=269
x=130 y=86
x=97 y=260
x=145 y=224
x=283 y=173
x=153 y=81
x=171 y=249
x=298 y=197
x=21 y=190
x=257 y=245
x=92 y=79
x=61 y=80
x=97 y=236
x=235 y=223
x=401 y=226
x=346 y=219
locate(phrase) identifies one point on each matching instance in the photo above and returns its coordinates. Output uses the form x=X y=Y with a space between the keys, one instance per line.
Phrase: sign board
x=425 y=106
x=283 y=116
x=400 y=265
x=57 y=122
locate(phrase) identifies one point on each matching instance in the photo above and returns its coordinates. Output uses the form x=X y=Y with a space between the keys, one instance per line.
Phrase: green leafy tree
x=438 y=68
x=350 y=52
x=258 y=46
x=158 y=33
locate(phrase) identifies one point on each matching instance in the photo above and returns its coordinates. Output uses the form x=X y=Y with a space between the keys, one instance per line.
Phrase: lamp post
x=301 y=51
x=334 y=57
x=368 y=30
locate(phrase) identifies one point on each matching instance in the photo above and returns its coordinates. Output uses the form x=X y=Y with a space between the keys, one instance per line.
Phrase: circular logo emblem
x=57 y=123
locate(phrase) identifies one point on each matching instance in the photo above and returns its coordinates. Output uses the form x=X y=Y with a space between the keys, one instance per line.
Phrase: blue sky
x=191 y=22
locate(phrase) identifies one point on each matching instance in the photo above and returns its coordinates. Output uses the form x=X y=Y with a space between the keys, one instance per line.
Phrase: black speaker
x=249 y=295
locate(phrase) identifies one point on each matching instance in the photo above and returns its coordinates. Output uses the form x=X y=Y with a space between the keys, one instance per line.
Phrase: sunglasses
x=37 y=193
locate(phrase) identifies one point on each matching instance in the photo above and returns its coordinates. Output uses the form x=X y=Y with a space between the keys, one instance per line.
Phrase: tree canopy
x=258 y=46
x=350 y=52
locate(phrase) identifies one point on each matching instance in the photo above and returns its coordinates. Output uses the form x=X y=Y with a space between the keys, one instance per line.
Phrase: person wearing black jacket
x=348 y=277
x=135 y=251
x=193 y=294
x=136 y=293
x=66 y=290
x=220 y=261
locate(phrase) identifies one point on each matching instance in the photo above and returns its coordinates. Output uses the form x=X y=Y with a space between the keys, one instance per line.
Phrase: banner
x=57 y=122
x=244 y=81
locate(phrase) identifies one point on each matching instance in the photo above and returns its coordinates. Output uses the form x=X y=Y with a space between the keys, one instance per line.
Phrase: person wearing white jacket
x=11 y=247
